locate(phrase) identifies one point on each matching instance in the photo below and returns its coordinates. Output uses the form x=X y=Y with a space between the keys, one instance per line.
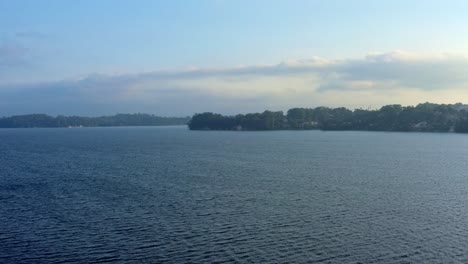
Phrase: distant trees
x=423 y=117
x=267 y=120
x=34 y=120
x=461 y=125
x=301 y=118
x=42 y=120
x=211 y=121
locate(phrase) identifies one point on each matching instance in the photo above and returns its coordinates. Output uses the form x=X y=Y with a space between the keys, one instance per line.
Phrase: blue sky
x=107 y=56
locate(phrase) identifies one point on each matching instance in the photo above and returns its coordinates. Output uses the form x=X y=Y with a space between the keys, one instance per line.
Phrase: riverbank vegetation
x=42 y=120
x=426 y=117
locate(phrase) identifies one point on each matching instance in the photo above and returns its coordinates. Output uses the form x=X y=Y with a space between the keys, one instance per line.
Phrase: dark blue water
x=169 y=195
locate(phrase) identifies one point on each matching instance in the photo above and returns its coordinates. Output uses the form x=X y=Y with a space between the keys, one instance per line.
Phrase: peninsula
x=426 y=117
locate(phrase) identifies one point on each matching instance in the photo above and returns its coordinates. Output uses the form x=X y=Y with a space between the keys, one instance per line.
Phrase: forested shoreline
x=426 y=117
x=42 y=120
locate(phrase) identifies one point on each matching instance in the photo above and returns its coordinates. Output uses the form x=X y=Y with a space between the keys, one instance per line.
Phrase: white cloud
x=377 y=79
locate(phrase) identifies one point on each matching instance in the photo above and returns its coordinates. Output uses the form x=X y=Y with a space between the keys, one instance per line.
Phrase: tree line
x=42 y=120
x=426 y=117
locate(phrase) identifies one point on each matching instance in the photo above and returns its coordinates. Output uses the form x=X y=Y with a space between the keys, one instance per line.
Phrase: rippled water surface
x=169 y=195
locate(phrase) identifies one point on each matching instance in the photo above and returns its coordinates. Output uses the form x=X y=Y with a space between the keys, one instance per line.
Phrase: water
x=169 y=195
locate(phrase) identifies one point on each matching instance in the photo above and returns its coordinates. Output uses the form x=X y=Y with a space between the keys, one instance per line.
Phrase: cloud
x=377 y=79
x=408 y=70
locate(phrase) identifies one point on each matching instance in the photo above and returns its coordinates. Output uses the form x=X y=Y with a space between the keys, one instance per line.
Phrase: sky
x=180 y=57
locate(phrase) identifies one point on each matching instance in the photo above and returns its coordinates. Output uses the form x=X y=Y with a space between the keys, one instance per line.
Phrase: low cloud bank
x=377 y=79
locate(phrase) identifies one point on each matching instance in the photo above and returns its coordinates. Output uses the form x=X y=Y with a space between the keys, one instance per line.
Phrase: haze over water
x=167 y=194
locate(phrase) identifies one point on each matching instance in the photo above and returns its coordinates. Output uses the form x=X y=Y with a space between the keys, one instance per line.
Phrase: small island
x=426 y=117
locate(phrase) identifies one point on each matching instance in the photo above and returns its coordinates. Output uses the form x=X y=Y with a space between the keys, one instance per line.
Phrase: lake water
x=170 y=195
